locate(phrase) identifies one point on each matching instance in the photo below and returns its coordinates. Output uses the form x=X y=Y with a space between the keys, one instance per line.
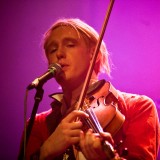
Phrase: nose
x=60 y=53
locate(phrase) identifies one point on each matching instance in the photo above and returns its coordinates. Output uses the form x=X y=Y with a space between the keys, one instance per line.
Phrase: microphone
x=53 y=70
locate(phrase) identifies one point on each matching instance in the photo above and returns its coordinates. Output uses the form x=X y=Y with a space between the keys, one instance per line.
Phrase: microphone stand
x=38 y=97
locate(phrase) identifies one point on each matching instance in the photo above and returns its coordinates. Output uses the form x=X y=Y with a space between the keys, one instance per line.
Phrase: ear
x=92 y=50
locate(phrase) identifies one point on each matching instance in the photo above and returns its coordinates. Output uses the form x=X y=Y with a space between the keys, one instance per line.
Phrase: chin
x=62 y=79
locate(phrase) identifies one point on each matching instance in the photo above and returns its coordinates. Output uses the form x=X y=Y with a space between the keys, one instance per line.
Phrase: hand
x=91 y=144
x=67 y=133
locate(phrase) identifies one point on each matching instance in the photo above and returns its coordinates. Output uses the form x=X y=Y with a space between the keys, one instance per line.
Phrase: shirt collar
x=95 y=90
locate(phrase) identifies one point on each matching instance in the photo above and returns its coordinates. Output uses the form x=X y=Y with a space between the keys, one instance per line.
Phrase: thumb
x=74 y=114
x=107 y=137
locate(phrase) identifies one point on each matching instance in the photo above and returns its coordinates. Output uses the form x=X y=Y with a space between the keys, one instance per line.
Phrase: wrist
x=44 y=151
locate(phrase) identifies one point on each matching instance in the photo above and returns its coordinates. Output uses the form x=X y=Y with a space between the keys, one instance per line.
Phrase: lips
x=64 y=66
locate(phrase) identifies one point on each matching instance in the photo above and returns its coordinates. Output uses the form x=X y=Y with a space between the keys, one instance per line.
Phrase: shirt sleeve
x=37 y=137
x=141 y=129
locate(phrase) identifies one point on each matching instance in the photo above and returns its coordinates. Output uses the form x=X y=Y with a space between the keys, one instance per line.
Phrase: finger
x=83 y=144
x=76 y=125
x=94 y=149
x=74 y=114
x=74 y=133
x=89 y=138
x=74 y=140
x=107 y=136
x=88 y=144
x=82 y=140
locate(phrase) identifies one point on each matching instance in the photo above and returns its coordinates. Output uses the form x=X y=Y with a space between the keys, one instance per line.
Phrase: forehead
x=61 y=33
x=68 y=30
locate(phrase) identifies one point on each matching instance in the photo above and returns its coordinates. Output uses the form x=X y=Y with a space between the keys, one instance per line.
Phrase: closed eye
x=70 y=45
x=70 y=42
x=52 y=50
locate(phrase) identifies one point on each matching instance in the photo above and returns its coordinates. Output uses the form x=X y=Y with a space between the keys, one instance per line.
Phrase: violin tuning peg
x=118 y=144
x=124 y=152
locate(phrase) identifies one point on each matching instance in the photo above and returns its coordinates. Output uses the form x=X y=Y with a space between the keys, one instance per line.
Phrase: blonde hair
x=102 y=64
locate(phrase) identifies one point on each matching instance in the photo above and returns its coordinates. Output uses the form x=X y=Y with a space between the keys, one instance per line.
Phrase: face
x=68 y=48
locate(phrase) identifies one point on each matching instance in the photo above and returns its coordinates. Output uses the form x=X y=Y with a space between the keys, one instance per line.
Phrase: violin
x=104 y=104
x=101 y=104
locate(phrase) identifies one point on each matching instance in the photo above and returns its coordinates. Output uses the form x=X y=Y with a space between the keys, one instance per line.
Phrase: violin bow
x=93 y=60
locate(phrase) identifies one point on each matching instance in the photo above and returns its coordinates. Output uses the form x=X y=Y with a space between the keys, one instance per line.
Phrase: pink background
x=132 y=37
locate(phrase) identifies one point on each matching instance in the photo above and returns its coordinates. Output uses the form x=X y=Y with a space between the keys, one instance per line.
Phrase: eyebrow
x=66 y=39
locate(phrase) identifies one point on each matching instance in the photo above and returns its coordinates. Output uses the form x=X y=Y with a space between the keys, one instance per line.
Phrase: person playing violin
x=128 y=120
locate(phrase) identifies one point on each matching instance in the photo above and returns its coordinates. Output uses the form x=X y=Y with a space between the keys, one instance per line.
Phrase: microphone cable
x=25 y=123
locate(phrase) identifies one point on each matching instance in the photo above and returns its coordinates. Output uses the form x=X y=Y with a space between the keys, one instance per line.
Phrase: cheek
x=83 y=62
x=86 y=58
x=51 y=58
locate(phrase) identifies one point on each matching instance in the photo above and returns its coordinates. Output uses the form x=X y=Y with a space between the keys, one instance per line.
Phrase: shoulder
x=140 y=110
x=136 y=99
x=40 y=118
x=135 y=104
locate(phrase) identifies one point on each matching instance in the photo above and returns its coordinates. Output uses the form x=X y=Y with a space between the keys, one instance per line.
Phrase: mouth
x=64 y=67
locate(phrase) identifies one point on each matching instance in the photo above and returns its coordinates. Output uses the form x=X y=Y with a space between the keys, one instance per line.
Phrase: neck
x=71 y=95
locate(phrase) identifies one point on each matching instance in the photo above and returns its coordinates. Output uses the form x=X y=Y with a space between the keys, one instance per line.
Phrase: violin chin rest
x=115 y=124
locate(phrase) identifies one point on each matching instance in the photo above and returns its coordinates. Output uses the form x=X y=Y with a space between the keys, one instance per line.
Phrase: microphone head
x=53 y=71
x=55 y=67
